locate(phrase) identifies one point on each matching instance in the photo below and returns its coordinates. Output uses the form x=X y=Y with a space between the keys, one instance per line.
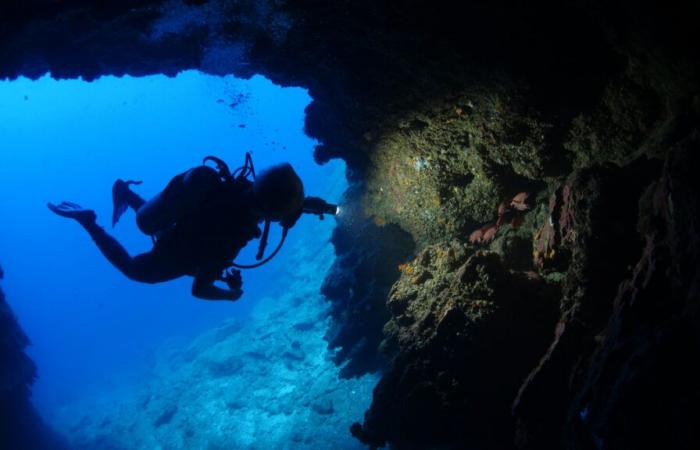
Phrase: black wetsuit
x=207 y=240
x=203 y=242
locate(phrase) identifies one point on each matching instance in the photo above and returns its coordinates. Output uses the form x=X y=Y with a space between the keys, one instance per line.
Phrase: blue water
x=104 y=343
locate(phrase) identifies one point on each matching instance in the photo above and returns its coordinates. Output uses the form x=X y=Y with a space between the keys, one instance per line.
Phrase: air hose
x=261 y=249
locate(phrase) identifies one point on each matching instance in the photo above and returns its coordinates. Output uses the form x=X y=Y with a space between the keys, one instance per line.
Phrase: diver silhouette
x=200 y=222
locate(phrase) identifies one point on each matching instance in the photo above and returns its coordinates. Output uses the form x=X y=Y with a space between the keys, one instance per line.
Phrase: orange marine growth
x=406 y=268
x=489 y=232
x=506 y=212
x=475 y=237
x=519 y=202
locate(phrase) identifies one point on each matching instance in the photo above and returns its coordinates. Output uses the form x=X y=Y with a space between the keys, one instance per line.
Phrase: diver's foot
x=120 y=195
x=74 y=211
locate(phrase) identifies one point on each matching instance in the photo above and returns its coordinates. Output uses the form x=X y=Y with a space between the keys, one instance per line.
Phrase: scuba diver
x=200 y=221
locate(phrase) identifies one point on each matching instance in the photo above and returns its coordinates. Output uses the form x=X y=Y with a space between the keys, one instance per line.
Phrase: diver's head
x=279 y=192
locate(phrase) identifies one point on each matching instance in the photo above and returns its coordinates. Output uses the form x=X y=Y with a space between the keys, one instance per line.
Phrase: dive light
x=318 y=207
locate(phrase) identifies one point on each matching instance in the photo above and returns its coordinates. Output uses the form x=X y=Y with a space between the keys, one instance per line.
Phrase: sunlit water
x=129 y=365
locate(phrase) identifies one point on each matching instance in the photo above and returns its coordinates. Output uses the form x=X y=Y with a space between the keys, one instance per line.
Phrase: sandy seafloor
x=266 y=382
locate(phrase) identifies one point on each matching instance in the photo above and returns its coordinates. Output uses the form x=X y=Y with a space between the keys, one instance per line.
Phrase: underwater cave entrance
x=69 y=140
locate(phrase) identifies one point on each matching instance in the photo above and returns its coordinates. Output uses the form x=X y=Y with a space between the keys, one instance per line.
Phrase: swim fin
x=123 y=198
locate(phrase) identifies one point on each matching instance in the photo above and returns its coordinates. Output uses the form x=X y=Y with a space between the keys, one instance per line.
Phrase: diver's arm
x=205 y=289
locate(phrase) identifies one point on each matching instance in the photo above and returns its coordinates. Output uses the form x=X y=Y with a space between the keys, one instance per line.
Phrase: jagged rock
x=592 y=223
x=462 y=339
x=225 y=367
x=323 y=406
x=166 y=416
x=21 y=428
x=639 y=388
x=304 y=326
x=295 y=352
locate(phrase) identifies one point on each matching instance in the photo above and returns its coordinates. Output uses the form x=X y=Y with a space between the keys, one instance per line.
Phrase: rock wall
x=465 y=330
x=20 y=426
x=519 y=144
x=638 y=387
x=368 y=258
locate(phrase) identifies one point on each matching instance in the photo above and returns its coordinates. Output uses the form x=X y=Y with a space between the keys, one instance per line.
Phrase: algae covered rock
x=443 y=169
x=464 y=331
x=617 y=128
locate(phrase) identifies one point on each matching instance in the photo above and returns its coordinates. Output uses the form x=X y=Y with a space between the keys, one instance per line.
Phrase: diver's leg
x=150 y=267
x=123 y=198
x=110 y=247
x=144 y=268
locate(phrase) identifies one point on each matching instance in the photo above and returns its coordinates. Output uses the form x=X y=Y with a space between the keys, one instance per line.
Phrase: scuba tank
x=246 y=174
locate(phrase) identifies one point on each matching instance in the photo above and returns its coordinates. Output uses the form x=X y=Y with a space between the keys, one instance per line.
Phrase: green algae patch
x=443 y=170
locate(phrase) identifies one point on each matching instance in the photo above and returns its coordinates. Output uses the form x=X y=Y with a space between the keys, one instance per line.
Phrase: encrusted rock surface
x=465 y=330
x=442 y=113
x=639 y=388
x=592 y=243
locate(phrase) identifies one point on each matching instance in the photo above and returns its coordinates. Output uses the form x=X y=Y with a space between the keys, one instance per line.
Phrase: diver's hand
x=233 y=279
x=73 y=211
x=235 y=294
x=204 y=288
